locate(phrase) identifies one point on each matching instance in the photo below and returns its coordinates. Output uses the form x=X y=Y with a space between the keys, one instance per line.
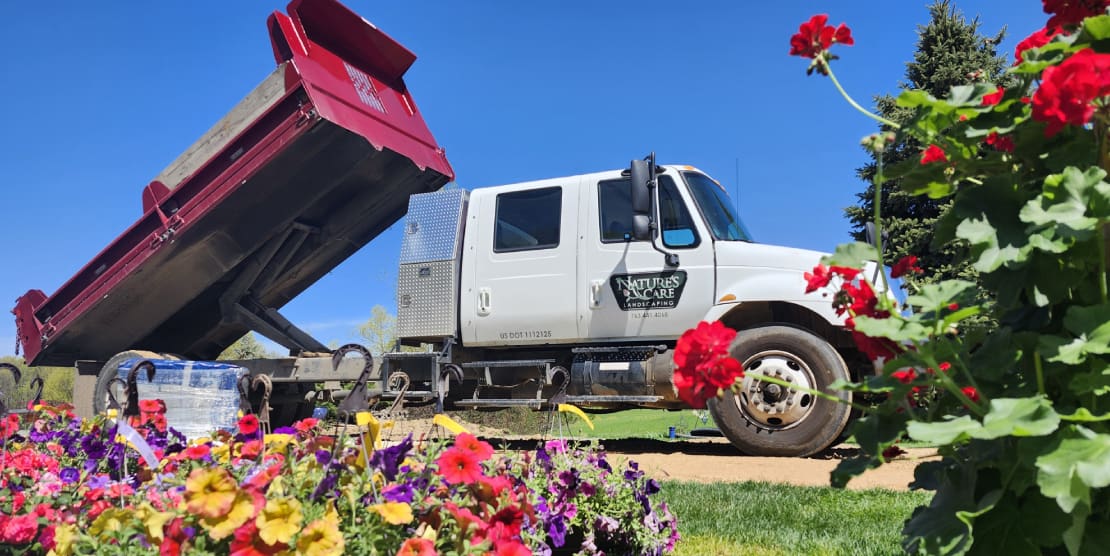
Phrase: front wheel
x=766 y=419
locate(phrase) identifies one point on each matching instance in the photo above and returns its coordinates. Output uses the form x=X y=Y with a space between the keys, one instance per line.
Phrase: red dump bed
x=314 y=163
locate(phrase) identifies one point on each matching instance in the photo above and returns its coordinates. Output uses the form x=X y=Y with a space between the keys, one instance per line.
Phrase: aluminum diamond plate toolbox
x=433 y=226
x=428 y=277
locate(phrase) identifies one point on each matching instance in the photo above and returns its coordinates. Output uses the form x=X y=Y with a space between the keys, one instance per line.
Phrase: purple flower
x=587 y=489
x=570 y=479
x=285 y=430
x=398 y=493
x=557 y=530
x=99 y=480
x=558 y=446
x=69 y=475
x=323 y=457
x=387 y=460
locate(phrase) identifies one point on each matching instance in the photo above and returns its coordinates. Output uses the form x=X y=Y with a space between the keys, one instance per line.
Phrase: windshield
x=717 y=208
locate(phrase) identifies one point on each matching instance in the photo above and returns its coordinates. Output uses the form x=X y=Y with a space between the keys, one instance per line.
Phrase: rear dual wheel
x=766 y=419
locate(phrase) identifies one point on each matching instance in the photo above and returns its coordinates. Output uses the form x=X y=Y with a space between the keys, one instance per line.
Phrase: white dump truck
x=576 y=289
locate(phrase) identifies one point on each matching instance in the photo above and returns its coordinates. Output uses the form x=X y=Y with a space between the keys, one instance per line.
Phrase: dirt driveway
x=710 y=460
x=717 y=461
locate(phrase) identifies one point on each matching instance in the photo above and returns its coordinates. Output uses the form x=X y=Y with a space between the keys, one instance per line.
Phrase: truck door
x=629 y=294
x=520 y=282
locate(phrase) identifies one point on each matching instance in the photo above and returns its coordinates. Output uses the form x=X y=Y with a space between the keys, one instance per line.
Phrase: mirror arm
x=669 y=259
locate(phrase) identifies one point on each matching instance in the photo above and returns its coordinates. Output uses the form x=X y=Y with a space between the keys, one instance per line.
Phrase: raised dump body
x=314 y=163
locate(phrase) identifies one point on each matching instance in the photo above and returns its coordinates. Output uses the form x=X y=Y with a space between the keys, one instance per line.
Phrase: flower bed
x=72 y=486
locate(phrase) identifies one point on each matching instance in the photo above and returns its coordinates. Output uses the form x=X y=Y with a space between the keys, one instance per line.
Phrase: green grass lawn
x=764 y=519
x=638 y=423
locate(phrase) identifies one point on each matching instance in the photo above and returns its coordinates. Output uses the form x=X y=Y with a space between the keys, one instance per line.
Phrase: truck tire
x=767 y=420
x=108 y=372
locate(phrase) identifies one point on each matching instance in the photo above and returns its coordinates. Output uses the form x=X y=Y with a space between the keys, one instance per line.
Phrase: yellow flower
x=154 y=520
x=110 y=520
x=242 y=509
x=394 y=513
x=210 y=492
x=64 y=535
x=280 y=520
x=278 y=442
x=321 y=537
x=221 y=452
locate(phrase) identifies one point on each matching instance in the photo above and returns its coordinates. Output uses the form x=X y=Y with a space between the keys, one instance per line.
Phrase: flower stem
x=843 y=93
x=877 y=185
x=1039 y=367
x=1102 y=139
x=795 y=386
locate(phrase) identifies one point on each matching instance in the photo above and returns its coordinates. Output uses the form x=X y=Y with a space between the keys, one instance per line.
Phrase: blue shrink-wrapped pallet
x=200 y=396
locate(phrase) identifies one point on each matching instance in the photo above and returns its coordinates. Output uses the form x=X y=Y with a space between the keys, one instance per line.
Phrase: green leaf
x=1091 y=325
x=935 y=296
x=852 y=255
x=1018 y=417
x=1063 y=204
x=852 y=467
x=970 y=95
x=944 y=432
x=938 y=528
x=894 y=328
x=1095 y=29
x=992 y=253
x=1081 y=415
x=1075 y=467
x=1042 y=520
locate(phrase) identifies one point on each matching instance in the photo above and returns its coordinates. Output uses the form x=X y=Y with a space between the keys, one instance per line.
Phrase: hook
x=131 y=388
x=112 y=402
x=357 y=400
x=267 y=385
x=38 y=383
x=18 y=376
x=244 y=385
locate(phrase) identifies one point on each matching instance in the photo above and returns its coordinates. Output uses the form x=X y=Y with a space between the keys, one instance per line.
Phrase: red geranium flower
x=470 y=443
x=1067 y=91
x=702 y=363
x=1036 y=40
x=814 y=38
x=1003 y=143
x=417 y=547
x=904 y=265
x=1067 y=13
x=905 y=376
x=892 y=452
x=933 y=154
x=248 y=424
x=459 y=466
x=991 y=99
x=818 y=279
x=971 y=393
x=152 y=406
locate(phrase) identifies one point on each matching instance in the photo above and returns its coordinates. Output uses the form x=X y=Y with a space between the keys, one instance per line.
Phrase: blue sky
x=102 y=96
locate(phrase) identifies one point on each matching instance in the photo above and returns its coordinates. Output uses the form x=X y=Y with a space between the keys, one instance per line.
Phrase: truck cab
x=595 y=277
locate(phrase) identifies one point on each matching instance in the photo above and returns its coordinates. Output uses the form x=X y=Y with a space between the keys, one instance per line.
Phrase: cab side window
x=528 y=220
x=615 y=210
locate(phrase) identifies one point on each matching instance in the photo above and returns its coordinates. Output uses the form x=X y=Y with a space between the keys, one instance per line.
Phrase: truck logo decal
x=365 y=88
x=651 y=290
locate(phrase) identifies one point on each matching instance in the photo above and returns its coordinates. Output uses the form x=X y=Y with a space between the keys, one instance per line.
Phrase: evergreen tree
x=950 y=52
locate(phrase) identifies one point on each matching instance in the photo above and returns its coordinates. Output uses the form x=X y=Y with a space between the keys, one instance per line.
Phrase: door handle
x=595 y=293
x=483 y=301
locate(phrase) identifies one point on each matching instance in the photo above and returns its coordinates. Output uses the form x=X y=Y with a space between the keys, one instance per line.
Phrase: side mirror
x=643 y=185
